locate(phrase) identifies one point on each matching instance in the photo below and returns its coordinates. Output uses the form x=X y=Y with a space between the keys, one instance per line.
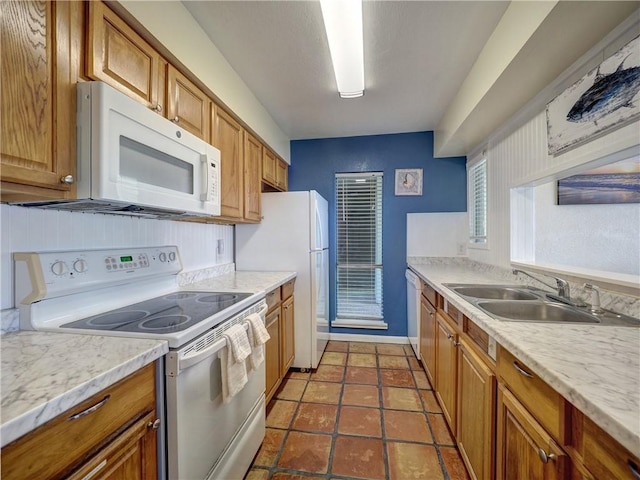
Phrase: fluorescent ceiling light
x=343 y=23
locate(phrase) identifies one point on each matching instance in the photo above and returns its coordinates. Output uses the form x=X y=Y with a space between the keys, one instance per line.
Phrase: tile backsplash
x=33 y=229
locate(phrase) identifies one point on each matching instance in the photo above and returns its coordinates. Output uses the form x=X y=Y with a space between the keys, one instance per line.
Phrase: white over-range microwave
x=132 y=161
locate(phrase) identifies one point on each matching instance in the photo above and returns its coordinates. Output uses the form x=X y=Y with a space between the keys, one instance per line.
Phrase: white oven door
x=207 y=438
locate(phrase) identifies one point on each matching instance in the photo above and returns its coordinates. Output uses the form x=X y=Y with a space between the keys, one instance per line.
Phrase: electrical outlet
x=220 y=248
x=460 y=248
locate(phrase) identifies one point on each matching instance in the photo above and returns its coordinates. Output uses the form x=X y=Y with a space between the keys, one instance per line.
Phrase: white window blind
x=359 y=247
x=478 y=202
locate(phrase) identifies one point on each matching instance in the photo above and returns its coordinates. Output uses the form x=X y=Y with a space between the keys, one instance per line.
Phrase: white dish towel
x=258 y=336
x=234 y=356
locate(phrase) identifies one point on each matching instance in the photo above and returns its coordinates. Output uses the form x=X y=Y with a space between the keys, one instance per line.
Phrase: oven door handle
x=196 y=357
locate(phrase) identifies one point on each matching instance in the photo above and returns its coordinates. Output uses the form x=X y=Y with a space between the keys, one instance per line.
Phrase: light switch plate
x=220 y=248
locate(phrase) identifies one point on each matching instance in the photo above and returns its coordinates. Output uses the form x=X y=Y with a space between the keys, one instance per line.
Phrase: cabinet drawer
x=65 y=441
x=287 y=289
x=606 y=458
x=544 y=403
x=273 y=298
x=430 y=294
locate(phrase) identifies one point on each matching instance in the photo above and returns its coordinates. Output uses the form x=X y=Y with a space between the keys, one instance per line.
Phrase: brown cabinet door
x=227 y=137
x=288 y=335
x=187 y=105
x=117 y=55
x=132 y=455
x=428 y=338
x=41 y=59
x=268 y=167
x=272 y=354
x=475 y=413
x=446 y=371
x=282 y=175
x=252 y=176
x=525 y=451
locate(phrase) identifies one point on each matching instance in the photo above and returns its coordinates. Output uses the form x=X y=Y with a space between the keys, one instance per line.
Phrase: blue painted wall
x=314 y=164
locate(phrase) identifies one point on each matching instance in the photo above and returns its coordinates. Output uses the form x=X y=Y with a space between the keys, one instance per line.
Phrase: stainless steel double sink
x=520 y=303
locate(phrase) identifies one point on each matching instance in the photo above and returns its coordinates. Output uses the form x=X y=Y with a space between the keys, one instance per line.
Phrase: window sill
x=369 y=324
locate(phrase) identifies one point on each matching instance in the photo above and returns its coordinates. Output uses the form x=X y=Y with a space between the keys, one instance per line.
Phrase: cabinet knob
x=154 y=425
x=67 y=179
x=157 y=108
x=175 y=119
x=544 y=457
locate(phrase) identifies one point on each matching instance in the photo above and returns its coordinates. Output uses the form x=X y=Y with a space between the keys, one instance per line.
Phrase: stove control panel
x=41 y=275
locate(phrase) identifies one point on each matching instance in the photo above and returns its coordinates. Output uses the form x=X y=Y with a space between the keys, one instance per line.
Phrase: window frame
x=474 y=240
x=346 y=313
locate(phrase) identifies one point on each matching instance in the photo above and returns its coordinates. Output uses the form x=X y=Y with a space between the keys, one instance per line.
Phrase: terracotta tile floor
x=367 y=412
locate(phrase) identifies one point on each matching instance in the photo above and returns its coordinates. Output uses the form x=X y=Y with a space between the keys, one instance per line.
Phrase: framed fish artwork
x=606 y=98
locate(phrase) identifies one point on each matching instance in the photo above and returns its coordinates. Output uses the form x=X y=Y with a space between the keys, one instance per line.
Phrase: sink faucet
x=561 y=284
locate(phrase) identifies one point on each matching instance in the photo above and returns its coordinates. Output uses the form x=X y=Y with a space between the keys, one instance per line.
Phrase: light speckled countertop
x=44 y=374
x=242 y=281
x=596 y=368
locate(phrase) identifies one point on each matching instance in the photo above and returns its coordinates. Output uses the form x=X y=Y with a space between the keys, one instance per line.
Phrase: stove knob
x=80 y=266
x=59 y=268
x=163 y=257
x=172 y=256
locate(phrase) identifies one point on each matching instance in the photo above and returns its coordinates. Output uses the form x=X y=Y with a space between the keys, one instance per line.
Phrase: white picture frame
x=408 y=181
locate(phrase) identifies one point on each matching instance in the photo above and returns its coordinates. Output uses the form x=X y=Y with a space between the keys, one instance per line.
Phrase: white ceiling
x=417 y=54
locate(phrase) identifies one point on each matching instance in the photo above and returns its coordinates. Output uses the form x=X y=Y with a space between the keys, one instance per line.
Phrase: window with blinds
x=477 y=178
x=359 y=248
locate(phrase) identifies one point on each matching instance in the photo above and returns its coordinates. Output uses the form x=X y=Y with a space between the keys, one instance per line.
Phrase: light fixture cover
x=343 y=24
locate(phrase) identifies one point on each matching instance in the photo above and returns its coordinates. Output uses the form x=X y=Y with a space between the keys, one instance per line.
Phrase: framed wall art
x=408 y=181
x=604 y=99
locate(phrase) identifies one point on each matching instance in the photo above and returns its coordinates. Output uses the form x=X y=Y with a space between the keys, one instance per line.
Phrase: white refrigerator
x=293 y=236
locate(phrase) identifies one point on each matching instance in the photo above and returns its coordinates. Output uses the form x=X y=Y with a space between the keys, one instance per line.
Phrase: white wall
x=33 y=229
x=437 y=234
x=517 y=155
x=600 y=237
x=172 y=24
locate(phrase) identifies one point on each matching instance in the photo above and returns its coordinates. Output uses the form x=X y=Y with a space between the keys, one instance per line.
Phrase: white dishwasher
x=414 y=289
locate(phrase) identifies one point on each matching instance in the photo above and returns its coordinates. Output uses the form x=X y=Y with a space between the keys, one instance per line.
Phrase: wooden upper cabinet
x=227 y=137
x=41 y=61
x=268 y=167
x=282 y=175
x=187 y=105
x=252 y=176
x=117 y=55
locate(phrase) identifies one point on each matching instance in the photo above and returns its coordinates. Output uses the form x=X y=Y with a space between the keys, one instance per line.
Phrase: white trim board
x=353 y=337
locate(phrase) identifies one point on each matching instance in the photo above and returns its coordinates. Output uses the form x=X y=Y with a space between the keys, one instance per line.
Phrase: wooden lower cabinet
x=112 y=434
x=475 y=413
x=288 y=335
x=272 y=354
x=280 y=349
x=525 y=451
x=446 y=368
x=428 y=338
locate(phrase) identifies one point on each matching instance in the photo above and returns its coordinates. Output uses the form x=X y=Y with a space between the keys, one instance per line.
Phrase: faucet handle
x=594 y=290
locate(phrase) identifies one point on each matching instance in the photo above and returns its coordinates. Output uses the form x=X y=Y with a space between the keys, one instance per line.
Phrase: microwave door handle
x=205 y=196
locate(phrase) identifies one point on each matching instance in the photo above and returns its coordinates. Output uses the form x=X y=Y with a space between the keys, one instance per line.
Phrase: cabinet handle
x=544 y=457
x=175 y=119
x=157 y=108
x=520 y=370
x=154 y=425
x=634 y=469
x=68 y=180
x=90 y=409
